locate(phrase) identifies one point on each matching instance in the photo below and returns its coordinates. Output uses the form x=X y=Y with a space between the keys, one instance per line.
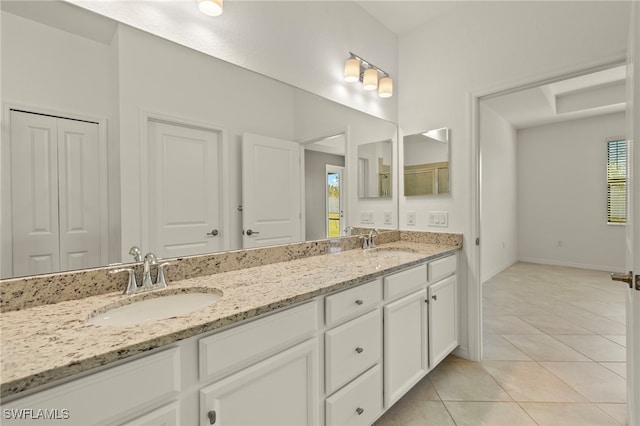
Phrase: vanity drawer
x=351 y=349
x=238 y=347
x=352 y=302
x=405 y=281
x=358 y=403
x=108 y=395
x=442 y=268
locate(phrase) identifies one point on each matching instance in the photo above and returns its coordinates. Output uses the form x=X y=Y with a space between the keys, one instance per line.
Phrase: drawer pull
x=359 y=411
x=212 y=416
x=359 y=302
x=359 y=350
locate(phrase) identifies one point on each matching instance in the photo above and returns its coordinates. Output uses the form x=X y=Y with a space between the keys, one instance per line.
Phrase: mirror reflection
x=137 y=141
x=374 y=169
x=426 y=163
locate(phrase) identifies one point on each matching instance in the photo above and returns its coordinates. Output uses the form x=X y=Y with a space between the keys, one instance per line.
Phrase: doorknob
x=250 y=232
x=213 y=232
x=625 y=278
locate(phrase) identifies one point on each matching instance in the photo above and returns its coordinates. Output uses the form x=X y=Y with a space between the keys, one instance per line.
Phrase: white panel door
x=184 y=190
x=633 y=224
x=34 y=193
x=270 y=191
x=79 y=194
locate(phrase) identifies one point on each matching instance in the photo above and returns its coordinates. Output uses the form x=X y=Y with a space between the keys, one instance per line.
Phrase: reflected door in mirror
x=184 y=189
x=55 y=194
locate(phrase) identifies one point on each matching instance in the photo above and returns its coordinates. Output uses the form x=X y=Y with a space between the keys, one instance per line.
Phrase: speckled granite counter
x=44 y=343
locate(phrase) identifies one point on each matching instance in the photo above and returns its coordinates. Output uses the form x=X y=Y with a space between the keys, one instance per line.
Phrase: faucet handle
x=365 y=241
x=131 y=283
x=161 y=279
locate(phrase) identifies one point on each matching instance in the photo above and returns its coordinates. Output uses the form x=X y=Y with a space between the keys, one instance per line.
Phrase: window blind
x=616 y=181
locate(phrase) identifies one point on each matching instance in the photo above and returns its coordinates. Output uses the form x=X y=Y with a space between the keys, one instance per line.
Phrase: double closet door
x=55 y=194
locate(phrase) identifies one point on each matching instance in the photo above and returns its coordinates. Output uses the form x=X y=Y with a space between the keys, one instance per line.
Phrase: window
x=616 y=181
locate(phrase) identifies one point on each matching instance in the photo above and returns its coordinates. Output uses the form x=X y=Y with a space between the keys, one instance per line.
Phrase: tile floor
x=554 y=354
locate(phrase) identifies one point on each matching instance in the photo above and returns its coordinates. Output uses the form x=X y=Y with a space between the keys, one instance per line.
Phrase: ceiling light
x=353 y=71
x=370 y=79
x=385 y=87
x=210 y=7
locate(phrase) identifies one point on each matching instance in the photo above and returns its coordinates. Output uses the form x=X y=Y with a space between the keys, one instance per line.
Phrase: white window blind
x=616 y=181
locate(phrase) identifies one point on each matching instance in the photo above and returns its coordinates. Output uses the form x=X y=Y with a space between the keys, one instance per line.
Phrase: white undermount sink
x=153 y=308
x=387 y=251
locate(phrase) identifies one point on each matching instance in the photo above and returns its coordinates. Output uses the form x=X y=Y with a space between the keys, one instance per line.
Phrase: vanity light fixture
x=210 y=7
x=358 y=69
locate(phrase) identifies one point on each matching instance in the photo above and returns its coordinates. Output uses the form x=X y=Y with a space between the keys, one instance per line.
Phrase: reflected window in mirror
x=374 y=169
x=426 y=163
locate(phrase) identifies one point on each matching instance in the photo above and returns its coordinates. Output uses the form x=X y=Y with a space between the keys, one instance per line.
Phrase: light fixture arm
x=368 y=64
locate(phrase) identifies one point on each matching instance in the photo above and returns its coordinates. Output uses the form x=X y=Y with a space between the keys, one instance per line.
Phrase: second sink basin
x=388 y=251
x=152 y=307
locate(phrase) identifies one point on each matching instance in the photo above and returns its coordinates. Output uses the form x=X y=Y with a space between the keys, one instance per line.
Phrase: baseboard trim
x=554 y=262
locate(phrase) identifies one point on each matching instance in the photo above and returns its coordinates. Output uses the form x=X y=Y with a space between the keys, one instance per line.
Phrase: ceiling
x=598 y=93
x=403 y=16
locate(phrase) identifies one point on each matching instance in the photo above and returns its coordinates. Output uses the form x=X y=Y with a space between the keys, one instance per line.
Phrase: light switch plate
x=411 y=218
x=440 y=219
x=387 y=218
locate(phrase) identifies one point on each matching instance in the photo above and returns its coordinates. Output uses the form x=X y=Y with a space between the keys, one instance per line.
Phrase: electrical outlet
x=411 y=218
x=387 y=218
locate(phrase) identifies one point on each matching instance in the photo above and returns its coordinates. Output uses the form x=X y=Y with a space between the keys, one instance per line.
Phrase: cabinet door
x=405 y=345
x=281 y=390
x=443 y=319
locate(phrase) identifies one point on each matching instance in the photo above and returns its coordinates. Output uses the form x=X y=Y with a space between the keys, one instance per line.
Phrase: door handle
x=625 y=278
x=213 y=232
x=250 y=232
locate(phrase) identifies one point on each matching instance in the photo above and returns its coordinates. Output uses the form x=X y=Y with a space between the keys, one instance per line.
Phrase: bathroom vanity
x=329 y=339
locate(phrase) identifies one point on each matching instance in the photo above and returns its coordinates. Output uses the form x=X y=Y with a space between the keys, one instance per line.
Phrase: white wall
x=303 y=43
x=499 y=212
x=482 y=47
x=562 y=194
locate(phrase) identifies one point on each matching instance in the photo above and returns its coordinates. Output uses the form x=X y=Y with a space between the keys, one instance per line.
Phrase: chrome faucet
x=149 y=260
x=136 y=253
x=348 y=230
x=147 y=282
x=372 y=237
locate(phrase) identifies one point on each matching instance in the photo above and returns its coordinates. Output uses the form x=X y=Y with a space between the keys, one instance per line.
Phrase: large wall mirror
x=114 y=137
x=375 y=169
x=426 y=163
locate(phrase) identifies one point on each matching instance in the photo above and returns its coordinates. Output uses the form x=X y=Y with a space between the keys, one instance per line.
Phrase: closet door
x=79 y=194
x=55 y=194
x=34 y=193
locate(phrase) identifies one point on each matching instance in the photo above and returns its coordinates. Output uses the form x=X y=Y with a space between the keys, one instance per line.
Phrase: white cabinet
x=280 y=390
x=443 y=319
x=405 y=345
x=106 y=397
x=357 y=404
x=420 y=329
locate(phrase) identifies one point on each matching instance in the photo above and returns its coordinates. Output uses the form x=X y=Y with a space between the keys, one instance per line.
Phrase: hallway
x=554 y=354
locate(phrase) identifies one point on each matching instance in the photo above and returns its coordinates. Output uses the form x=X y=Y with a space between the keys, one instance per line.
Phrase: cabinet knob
x=359 y=302
x=359 y=350
x=212 y=416
x=359 y=411
x=213 y=233
x=434 y=297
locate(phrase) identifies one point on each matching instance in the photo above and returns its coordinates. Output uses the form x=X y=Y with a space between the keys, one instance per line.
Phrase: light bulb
x=385 y=87
x=370 y=79
x=210 y=7
x=352 y=70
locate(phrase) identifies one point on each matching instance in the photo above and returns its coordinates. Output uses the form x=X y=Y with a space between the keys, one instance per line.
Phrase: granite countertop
x=45 y=343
